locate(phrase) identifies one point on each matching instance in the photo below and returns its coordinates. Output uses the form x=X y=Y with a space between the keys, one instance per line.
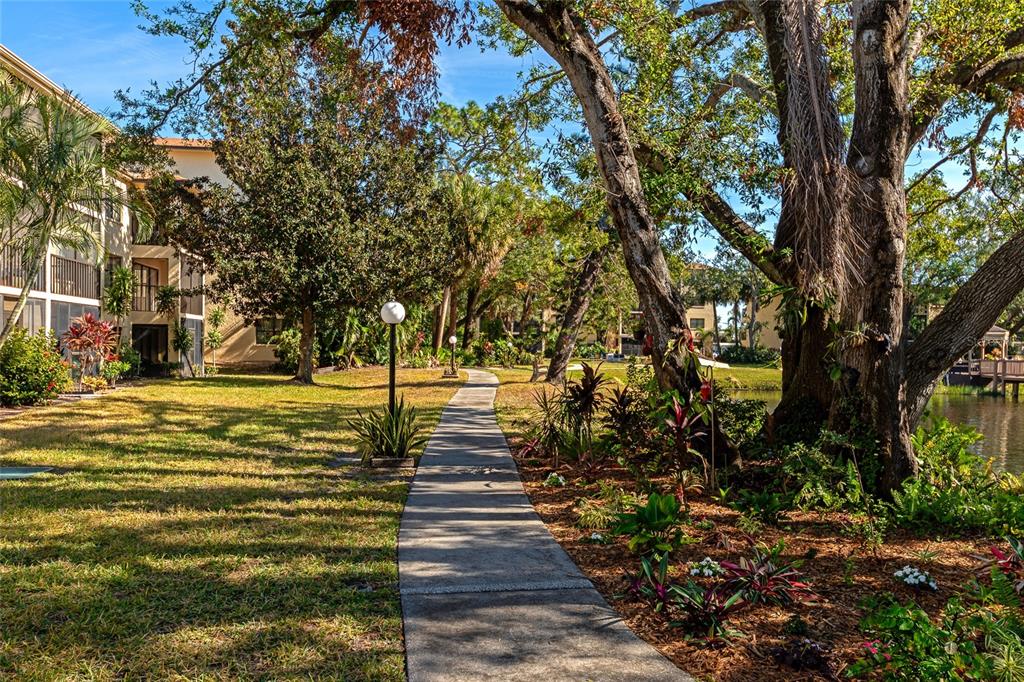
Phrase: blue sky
x=93 y=47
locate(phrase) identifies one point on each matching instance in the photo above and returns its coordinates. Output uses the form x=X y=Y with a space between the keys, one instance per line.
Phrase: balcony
x=74 y=278
x=13 y=271
x=144 y=299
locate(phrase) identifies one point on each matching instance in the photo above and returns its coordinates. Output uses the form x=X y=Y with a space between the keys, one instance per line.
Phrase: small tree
x=214 y=337
x=330 y=206
x=91 y=340
x=117 y=297
x=183 y=343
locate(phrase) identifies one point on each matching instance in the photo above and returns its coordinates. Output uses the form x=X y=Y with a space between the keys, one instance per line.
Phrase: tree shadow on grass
x=197 y=538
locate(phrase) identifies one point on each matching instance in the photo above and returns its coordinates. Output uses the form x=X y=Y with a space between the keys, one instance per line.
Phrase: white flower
x=554 y=479
x=596 y=537
x=707 y=568
x=915 y=577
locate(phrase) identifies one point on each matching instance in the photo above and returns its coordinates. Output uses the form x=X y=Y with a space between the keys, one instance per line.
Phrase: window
x=696 y=323
x=33 y=315
x=63 y=313
x=147 y=281
x=267 y=328
x=113 y=262
x=196 y=355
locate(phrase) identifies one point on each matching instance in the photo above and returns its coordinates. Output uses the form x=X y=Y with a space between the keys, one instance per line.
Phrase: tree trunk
x=736 y=322
x=572 y=319
x=566 y=37
x=440 y=313
x=524 y=318
x=469 y=328
x=453 y=314
x=305 y=370
x=753 y=308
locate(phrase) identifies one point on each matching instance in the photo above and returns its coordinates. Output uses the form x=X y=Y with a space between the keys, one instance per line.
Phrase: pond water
x=1000 y=420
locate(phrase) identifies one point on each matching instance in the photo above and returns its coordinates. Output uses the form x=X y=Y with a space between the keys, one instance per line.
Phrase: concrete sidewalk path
x=487 y=593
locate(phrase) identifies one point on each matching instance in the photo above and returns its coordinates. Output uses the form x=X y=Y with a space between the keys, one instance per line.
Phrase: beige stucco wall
x=240 y=347
x=768 y=336
x=197 y=163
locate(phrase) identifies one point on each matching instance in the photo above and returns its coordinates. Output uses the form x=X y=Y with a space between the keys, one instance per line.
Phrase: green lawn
x=195 y=531
x=740 y=377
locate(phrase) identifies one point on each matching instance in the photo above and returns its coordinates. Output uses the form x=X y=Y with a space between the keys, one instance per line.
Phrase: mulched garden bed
x=842 y=569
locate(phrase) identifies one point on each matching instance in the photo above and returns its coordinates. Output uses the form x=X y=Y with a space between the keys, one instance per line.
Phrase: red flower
x=705 y=391
x=648 y=348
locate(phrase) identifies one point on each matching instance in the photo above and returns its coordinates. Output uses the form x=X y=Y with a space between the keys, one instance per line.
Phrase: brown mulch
x=841 y=585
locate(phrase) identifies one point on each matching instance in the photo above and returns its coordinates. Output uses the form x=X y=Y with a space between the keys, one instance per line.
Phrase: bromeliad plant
x=654 y=527
x=705 y=610
x=1008 y=562
x=381 y=434
x=699 y=610
x=762 y=579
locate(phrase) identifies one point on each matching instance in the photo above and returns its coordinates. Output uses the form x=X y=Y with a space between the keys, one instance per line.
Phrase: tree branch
x=970 y=77
x=986 y=124
x=971 y=312
x=751 y=88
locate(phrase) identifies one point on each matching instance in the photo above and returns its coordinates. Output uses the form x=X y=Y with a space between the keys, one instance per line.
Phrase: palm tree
x=53 y=168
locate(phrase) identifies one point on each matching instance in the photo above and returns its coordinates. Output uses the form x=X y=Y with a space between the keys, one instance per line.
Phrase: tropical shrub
x=381 y=434
x=820 y=479
x=115 y=369
x=94 y=383
x=957 y=489
x=764 y=505
x=128 y=354
x=604 y=510
x=287 y=350
x=505 y=353
x=653 y=527
x=759 y=355
x=90 y=340
x=31 y=370
x=764 y=579
x=741 y=419
x=591 y=351
x=704 y=610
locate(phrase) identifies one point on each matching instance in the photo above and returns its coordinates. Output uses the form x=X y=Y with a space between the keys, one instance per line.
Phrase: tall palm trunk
x=440 y=316
x=469 y=327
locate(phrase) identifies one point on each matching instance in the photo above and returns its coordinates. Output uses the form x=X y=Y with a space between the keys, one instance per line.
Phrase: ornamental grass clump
x=382 y=434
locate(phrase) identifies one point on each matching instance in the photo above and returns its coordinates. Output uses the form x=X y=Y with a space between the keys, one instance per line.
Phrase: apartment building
x=245 y=344
x=70 y=282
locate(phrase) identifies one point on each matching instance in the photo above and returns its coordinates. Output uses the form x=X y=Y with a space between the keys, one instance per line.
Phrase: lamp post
x=451 y=371
x=392 y=313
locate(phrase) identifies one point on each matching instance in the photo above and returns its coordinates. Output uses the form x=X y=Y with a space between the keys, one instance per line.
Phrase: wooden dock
x=1001 y=373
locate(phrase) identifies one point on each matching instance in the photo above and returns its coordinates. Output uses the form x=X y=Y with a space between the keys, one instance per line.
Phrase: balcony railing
x=13 y=271
x=74 y=278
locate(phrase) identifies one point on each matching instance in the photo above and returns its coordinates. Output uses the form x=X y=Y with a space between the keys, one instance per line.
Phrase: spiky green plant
x=381 y=434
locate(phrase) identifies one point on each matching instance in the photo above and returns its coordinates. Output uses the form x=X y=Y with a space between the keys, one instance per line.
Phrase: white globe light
x=452 y=339
x=393 y=312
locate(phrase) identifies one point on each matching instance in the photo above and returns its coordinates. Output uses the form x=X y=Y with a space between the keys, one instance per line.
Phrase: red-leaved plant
x=90 y=340
x=762 y=579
